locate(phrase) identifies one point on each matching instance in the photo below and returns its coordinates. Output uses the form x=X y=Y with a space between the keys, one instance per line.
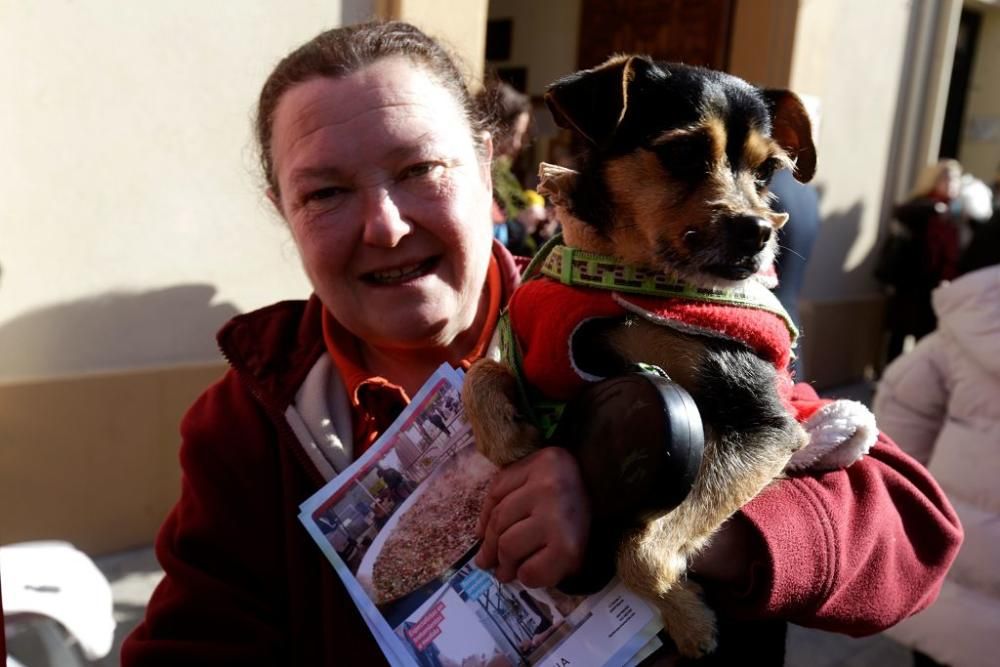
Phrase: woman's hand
x=728 y=559
x=535 y=520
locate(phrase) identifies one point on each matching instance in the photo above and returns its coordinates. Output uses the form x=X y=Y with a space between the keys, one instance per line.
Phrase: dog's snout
x=748 y=234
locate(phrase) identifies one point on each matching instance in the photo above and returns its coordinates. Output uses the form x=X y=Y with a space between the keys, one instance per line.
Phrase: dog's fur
x=674 y=179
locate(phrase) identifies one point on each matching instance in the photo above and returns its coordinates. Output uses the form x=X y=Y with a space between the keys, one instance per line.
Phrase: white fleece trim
x=840 y=433
x=320 y=417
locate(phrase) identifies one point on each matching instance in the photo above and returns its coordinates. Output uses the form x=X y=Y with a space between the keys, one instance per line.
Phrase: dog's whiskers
x=784 y=248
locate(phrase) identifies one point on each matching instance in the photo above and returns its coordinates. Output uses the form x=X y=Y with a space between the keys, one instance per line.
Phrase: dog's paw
x=490 y=397
x=688 y=620
x=694 y=634
x=511 y=439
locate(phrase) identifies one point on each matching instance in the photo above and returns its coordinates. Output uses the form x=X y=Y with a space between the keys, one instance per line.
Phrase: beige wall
x=848 y=53
x=763 y=37
x=132 y=222
x=459 y=24
x=93 y=459
x=923 y=95
x=545 y=40
x=980 y=147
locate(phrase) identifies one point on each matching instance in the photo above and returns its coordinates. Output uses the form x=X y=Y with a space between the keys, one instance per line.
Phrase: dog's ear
x=556 y=182
x=791 y=128
x=593 y=102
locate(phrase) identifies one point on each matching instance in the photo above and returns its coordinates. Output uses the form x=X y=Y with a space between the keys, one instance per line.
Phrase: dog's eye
x=686 y=157
x=764 y=173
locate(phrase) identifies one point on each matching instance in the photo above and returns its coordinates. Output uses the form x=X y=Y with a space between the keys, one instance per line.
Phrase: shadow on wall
x=842 y=336
x=838 y=233
x=113 y=331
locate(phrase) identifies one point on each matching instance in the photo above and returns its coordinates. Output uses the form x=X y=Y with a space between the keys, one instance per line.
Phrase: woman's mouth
x=400 y=274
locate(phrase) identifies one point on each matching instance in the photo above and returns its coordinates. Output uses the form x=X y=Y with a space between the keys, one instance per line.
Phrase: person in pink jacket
x=379 y=164
x=941 y=401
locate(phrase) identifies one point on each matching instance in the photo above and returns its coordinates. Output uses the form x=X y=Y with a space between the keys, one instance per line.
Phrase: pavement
x=134 y=574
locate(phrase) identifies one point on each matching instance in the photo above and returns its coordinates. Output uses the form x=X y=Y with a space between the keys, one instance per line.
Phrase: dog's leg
x=490 y=397
x=749 y=438
x=651 y=567
x=653 y=561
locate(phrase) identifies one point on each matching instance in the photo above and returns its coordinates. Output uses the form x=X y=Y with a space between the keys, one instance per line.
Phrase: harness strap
x=575 y=267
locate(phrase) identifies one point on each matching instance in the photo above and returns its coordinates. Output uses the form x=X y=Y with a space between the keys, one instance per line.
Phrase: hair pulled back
x=342 y=51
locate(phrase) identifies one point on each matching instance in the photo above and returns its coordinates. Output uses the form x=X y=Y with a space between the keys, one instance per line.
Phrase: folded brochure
x=398 y=525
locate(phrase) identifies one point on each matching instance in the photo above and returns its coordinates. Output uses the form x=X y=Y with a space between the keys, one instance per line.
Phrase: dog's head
x=678 y=162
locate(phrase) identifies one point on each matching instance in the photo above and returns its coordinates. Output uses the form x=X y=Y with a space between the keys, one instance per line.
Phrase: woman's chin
x=410 y=329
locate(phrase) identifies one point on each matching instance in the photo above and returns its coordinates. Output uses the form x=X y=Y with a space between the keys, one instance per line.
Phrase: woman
x=512 y=110
x=376 y=160
x=921 y=252
x=940 y=401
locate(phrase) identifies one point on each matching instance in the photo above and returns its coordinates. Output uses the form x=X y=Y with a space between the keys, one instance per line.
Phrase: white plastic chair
x=52 y=581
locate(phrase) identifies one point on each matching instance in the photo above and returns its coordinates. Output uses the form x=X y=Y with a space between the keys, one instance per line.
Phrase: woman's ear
x=486 y=163
x=275 y=200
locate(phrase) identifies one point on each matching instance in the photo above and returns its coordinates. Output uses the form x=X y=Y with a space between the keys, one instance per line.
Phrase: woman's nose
x=383 y=222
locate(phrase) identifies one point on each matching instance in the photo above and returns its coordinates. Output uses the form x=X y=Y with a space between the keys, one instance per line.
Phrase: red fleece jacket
x=851 y=551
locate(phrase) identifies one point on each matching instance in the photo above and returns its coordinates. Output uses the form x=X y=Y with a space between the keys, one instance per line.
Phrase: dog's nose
x=748 y=234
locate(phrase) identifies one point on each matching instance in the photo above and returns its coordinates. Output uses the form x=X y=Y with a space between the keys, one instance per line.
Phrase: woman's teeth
x=399 y=274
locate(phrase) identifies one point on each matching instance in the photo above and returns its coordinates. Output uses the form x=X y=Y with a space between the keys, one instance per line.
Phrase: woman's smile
x=400 y=275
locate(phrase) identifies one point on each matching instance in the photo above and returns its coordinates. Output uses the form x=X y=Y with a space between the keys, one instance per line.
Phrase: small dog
x=673 y=185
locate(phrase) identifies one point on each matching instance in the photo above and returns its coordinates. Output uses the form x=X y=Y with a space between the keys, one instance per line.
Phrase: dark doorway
x=958 y=90
x=696 y=33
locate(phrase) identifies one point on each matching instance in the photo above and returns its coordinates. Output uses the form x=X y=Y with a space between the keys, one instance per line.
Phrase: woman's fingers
x=516 y=544
x=503 y=512
x=505 y=481
x=535 y=520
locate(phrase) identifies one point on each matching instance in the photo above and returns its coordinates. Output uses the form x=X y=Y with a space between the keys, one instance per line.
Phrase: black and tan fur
x=674 y=179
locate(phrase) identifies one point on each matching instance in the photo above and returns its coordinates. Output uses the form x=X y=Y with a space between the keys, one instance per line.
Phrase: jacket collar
x=274 y=348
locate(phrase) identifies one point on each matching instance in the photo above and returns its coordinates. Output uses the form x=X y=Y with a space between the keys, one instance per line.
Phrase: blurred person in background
x=921 y=251
x=516 y=213
x=941 y=402
x=924 y=244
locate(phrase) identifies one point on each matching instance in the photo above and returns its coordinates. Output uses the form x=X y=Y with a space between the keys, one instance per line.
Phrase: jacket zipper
x=286 y=436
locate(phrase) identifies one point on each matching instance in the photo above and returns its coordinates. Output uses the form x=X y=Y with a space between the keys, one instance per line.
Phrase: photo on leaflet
x=476 y=620
x=403 y=520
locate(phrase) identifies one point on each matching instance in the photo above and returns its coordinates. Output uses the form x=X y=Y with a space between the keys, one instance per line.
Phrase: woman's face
x=948 y=184
x=388 y=202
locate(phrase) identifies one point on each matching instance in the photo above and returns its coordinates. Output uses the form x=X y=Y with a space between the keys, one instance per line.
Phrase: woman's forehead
x=389 y=101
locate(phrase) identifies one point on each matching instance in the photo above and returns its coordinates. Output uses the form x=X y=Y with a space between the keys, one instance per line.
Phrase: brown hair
x=342 y=51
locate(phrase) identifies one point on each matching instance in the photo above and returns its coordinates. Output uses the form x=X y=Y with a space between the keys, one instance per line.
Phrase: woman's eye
x=418 y=170
x=322 y=194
